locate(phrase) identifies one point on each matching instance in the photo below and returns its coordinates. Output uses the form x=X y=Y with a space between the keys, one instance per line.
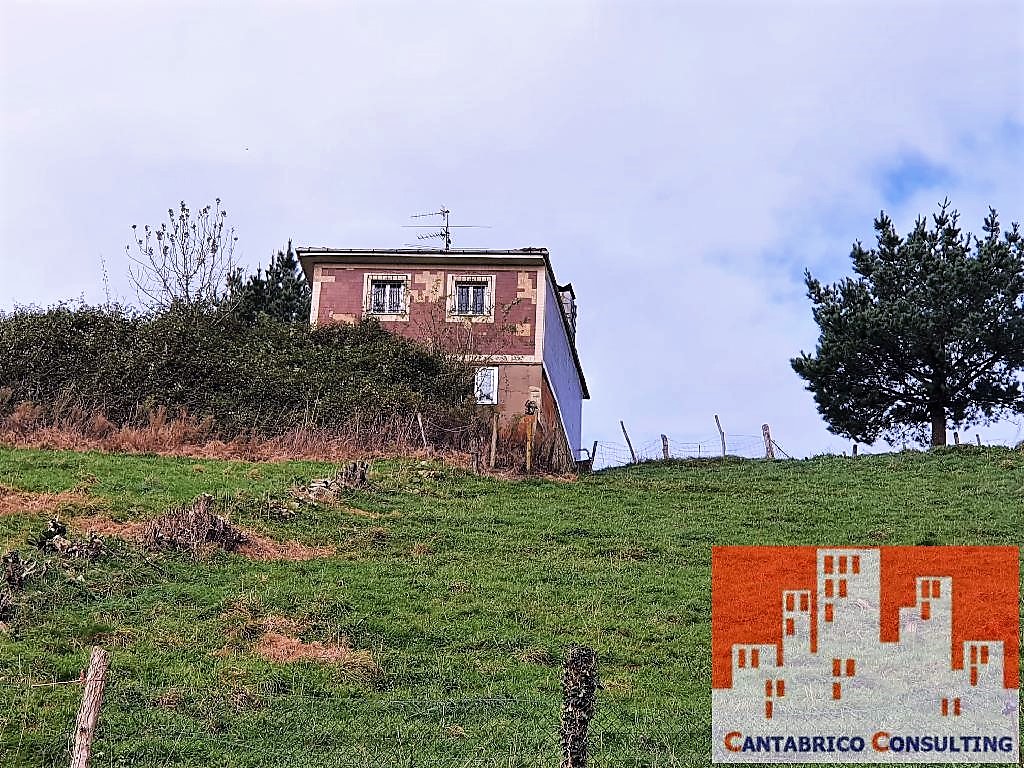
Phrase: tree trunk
x=938 y=425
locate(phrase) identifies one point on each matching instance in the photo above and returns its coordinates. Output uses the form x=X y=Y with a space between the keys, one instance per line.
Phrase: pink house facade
x=502 y=310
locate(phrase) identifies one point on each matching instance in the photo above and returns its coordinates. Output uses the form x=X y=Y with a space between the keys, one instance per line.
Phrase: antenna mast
x=445 y=232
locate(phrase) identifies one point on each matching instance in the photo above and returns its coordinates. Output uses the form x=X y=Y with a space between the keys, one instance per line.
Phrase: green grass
x=515 y=571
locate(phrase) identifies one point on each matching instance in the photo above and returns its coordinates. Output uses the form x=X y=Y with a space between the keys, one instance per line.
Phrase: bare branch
x=184 y=261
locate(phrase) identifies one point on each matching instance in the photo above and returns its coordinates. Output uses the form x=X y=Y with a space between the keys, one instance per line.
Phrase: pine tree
x=281 y=293
x=930 y=330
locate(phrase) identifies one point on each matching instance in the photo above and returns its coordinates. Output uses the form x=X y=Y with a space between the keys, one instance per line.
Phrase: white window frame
x=403 y=278
x=488 y=396
x=453 y=314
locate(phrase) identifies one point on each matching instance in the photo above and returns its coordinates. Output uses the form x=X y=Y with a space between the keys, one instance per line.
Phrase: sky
x=683 y=162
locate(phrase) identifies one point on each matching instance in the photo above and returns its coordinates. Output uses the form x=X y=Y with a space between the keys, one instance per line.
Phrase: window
x=470 y=298
x=387 y=296
x=487 y=385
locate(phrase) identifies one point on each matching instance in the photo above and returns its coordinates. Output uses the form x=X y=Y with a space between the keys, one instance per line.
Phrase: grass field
x=464 y=591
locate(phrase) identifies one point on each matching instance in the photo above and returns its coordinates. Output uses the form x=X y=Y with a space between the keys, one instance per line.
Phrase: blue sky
x=683 y=162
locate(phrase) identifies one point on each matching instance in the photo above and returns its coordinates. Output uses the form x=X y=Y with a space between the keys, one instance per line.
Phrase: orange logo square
x=865 y=654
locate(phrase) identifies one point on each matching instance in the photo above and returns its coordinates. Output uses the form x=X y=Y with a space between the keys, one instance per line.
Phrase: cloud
x=683 y=162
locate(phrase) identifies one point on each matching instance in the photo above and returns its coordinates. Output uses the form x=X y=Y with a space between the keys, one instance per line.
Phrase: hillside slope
x=447 y=601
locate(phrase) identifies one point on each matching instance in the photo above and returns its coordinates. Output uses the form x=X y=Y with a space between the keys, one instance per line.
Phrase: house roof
x=309 y=256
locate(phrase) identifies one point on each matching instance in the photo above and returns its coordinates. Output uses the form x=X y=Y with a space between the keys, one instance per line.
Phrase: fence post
x=629 y=442
x=664 y=447
x=978 y=437
x=956 y=438
x=423 y=433
x=721 y=434
x=529 y=442
x=92 y=699
x=769 y=448
x=494 y=438
x=579 y=686
x=593 y=455
x=855 y=450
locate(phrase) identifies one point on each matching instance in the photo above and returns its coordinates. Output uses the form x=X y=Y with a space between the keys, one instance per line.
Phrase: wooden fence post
x=92 y=699
x=629 y=442
x=721 y=434
x=855 y=450
x=494 y=438
x=579 y=687
x=769 y=448
x=978 y=437
x=593 y=454
x=956 y=438
x=664 y=447
x=530 y=418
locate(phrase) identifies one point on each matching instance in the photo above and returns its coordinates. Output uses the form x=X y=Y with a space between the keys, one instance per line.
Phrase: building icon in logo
x=831 y=675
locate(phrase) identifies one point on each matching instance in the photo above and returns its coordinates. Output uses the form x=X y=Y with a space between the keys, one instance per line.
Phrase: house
x=502 y=310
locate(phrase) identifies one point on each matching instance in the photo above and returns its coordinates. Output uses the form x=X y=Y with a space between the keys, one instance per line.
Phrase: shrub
x=89 y=367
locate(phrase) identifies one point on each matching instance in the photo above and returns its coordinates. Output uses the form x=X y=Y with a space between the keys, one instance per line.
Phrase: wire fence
x=183 y=726
x=615 y=454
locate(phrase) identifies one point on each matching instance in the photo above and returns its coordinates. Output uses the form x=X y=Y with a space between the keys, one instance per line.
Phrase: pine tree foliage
x=280 y=293
x=929 y=331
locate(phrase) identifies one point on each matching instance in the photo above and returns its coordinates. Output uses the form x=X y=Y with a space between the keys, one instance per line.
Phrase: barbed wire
x=614 y=454
x=452 y=430
x=144 y=724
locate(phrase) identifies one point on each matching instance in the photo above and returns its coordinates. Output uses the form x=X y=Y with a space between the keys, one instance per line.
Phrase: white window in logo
x=487 y=385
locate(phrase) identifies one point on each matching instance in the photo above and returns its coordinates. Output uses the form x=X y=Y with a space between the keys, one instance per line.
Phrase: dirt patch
x=13 y=502
x=276 y=638
x=258 y=547
x=275 y=646
x=104 y=526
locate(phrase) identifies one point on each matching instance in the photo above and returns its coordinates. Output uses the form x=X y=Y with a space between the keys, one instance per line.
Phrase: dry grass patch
x=276 y=638
x=282 y=648
x=257 y=547
x=105 y=526
x=14 y=502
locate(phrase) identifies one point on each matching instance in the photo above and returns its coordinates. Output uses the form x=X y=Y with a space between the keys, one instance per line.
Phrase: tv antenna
x=445 y=232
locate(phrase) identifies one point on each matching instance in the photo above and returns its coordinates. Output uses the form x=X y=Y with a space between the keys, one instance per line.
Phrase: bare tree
x=186 y=260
